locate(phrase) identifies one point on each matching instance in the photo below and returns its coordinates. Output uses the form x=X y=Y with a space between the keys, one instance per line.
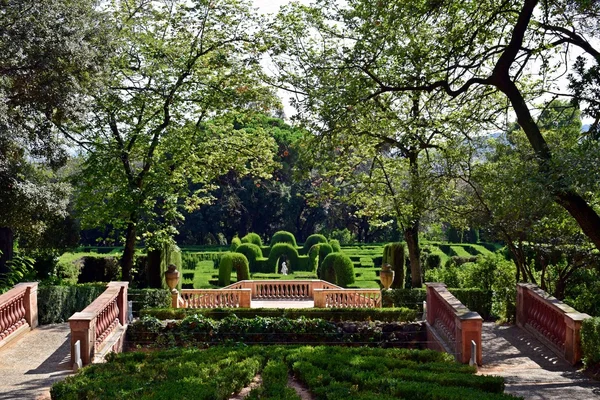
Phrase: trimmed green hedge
x=335 y=245
x=475 y=299
x=235 y=243
x=252 y=238
x=590 y=341
x=324 y=250
x=311 y=241
x=148 y=298
x=252 y=253
x=393 y=254
x=329 y=314
x=230 y=262
x=338 y=269
x=283 y=237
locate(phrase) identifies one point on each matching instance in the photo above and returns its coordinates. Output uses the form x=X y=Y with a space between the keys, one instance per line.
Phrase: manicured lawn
x=332 y=373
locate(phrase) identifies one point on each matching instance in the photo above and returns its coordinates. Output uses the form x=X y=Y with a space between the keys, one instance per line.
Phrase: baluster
x=2 y=323
x=13 y=316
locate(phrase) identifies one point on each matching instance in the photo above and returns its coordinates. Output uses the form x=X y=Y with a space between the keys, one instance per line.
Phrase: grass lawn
x=332 y=373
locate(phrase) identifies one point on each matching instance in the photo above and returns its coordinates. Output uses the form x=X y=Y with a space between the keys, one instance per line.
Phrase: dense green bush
x=324 y=250
x=433 y=261
x=57 y=304
x=313 y=257
x=329 y=314
x=99 y=269
x=235 y=243
x=274 y=383
x=230 y=262
x=338 y=269
x=394 y=255
x=252 y=253
x=295 y=261
x=252 y=238
x=152 y=274
x=590 y=341
x=311 y=241
x=148 y=298
x=283 y=237
x=335 y=245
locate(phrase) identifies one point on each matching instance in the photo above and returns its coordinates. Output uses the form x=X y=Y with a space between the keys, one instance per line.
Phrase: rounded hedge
x=229 y=262
x=338 y=269
x=252 y=238
x=313 y=257
x=283 y=237
x=324 y=250
x=312 y=240
x=235 y=243
x=393 y=254
x=252 y=253
x=335 y=245
x=281 y=249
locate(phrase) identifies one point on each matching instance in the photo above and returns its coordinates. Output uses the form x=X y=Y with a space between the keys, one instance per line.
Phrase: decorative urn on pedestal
x=172 y=277
x=386 y=276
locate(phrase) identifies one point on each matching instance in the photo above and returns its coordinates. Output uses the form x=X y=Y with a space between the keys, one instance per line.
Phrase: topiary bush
x=252 y=238
x=590 y=341
x=311 y=241
x=338 y=269
x=313 y=257
x=229 y=262
x=58 y=303
x=235 y=243
x=252 y=253
x=393 y=254
x=324 y=250
x=283 y=249
x=283 y=237
x=335 y=245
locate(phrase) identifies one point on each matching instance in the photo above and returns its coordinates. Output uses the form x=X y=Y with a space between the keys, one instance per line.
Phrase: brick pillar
x=319 y=297
x=470 y=329
x=175 y=298
x=573 y=336
x=432 y=300
x=521 y=294
x=245 y=297
x=83 y=328
x=121 y=300
x=31 y=307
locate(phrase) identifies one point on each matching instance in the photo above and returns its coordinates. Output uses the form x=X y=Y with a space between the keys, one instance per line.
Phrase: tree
x=52 y=52
x=183 y=75
x=474 y=48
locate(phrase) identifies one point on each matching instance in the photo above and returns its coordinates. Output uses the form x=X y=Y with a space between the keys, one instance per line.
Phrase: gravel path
x=29 y=366
x=531 y=370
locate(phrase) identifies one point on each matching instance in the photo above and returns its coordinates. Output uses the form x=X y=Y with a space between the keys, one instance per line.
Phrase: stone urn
x=386 y=276
x=172 y=277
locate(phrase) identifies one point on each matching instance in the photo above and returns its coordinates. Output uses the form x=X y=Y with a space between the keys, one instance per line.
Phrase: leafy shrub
x=20 y=269
x=252 y=253
x=324 y=250
x=312 y=240
x=289 y=251
x=590 y=341
x=57 y=304
x=344 y=236
x=394 y=254
x=99 y=269
x=283 y=237
x=335 y=245
x=313 y=256
x=230 y=262
x=433 y=261
x=338 y=269
x=252 y=238
x=148 y=298
x=235 y=243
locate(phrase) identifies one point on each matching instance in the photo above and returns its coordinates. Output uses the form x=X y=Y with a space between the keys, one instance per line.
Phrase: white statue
x=284 y=268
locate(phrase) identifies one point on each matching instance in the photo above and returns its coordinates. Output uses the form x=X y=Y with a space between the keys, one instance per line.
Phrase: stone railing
x=556 y=324
x=212 y=298
x=451 y=325
x=101 y=326
x=18 y=311
x=347 y=298
x=284 y=289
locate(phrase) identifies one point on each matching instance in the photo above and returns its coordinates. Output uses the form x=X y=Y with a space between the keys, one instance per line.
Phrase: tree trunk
x=411 y=236
x=129 y=251
x=6 y=247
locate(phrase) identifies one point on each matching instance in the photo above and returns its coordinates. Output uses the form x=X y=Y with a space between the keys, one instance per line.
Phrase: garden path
x=530 y=369
x=30 y=365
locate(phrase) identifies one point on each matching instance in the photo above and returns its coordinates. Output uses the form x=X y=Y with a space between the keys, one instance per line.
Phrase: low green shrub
x=338 y=269
x=253 y=238
x=148 y=298
x=283 y=237
x=235 y=243
x=230 y=262
x=311 y=241
x=274 y=383
x=590 y=341
x=252 y=253
x=57 y=304
x=329 y=314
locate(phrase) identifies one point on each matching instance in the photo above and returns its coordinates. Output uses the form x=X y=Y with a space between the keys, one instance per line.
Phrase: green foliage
x=230 y=262
x=252 y=253
x=283 y=237
x=148 y=298
x=253 y=238
x=57 y=304
x=20 y=269
x=401 y=314
x=274 y=383
x=338 y=269
x=324 y=250
x=344 y=236
x=590 y=341
x=235 y=243
x=311 y=241
x=393 y=254
x=289 y=251
x=98 y=268
x=313 y=256
x=335 y=245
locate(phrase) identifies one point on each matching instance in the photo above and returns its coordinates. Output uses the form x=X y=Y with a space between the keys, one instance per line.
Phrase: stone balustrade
x=554 y=323
x=347 y=298
x=212 y=298
x=451 y=325
x=100 y=327
x=18 y=311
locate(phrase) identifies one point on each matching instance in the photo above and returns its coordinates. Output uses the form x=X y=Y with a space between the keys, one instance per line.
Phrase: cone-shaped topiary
x=338 y=269
x=235 y=243
x=252 y=238
x=312 y=240
x=252 y=253
x=393 y=254
x=283 y=237
x=230 y=262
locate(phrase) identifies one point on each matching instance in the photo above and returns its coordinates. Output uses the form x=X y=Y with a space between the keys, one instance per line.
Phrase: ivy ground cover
x=332 y=373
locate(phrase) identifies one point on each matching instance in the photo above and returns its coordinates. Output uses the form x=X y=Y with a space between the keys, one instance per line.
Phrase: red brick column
x=83 y=328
